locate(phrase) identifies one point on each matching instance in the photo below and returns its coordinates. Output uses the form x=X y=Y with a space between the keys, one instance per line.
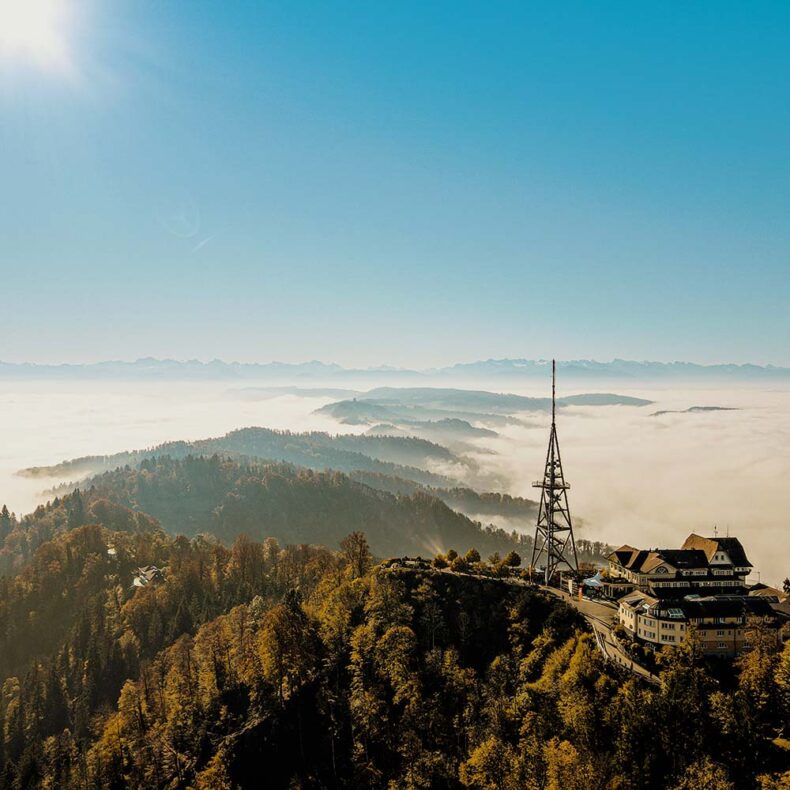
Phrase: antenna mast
x=554 y=529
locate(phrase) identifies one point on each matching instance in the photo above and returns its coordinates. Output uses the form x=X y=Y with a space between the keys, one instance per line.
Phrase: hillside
x=318 y=670
x=393 y=455
x=465 y=500
x=20 y=538
x=227 y=498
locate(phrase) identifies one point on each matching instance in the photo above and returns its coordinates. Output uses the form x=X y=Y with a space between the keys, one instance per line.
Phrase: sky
x=394 y=183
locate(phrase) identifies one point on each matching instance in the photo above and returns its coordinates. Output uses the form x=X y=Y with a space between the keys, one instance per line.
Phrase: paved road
x=602 y=617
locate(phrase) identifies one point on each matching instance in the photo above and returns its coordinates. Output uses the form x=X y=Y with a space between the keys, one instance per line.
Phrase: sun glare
x=34 y=30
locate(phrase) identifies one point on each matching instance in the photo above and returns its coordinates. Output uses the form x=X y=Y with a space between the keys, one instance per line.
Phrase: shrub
x=473 y=556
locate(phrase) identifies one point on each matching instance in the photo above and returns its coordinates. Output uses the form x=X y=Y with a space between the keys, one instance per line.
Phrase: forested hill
x=402 y=456
x=465 y=500
x=258 y=665
x=226 y=498
x=21 y=538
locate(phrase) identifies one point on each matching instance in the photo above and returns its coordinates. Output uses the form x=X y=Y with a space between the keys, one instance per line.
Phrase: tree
x=289 y=646
x=756 y=677
x=459 y=565
x=704 y=775
x=215 y=775
x=472 y=556
x=681 y=704
x=491 y=766
x=566 y=769
x=76 y=510
x=357 y=552
x=513 y=559
x=782 y=679
x=786 y=585
x=5 y=522
x=774 y=781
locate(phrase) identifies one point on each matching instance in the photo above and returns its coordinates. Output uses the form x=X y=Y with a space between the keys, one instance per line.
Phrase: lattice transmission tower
x=554 y=529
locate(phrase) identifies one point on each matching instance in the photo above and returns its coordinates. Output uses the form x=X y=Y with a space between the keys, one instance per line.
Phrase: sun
x=34 y=30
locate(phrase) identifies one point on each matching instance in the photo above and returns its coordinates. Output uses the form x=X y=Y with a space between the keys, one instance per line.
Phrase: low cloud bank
x=636 y=478
x=650 y=480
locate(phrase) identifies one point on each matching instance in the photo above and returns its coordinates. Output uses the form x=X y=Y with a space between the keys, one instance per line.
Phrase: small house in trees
x=147 y=576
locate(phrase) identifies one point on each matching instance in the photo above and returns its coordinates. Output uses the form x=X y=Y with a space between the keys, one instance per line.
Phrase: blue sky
x=403 y=183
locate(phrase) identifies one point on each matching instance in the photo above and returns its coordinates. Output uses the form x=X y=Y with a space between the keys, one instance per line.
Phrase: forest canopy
x=306 y=667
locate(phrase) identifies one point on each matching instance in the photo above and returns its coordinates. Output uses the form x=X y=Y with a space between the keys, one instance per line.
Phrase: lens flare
x=34 y=30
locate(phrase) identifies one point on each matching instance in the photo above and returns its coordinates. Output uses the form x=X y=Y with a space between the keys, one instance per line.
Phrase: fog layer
x=637 y=478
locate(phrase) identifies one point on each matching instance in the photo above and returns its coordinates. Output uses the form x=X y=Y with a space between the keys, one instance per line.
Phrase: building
x=702 y=566
x=701 y=585
x=724 y=623
x=147 y=576
x=780 y=603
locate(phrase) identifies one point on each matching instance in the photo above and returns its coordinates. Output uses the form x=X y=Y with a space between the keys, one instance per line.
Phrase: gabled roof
x=706 y=545
x=651 y=562
x=684 y=558
x=643 y=561
x=727 y=606
x=146 y=575
x=637 y=559
x=764 y=590
x=623 y=554
x=735 y=551
x=710 y=546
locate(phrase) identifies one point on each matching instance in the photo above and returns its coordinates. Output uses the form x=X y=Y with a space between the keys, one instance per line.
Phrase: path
x=602 y=617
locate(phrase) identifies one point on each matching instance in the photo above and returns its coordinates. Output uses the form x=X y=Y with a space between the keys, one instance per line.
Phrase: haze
x=637 y=478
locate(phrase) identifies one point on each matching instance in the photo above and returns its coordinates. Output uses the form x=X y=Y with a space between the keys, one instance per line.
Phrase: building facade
x=702 y=566
x=724 y=623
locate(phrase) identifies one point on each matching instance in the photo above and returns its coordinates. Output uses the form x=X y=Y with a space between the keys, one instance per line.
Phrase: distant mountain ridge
x=451 y=415
x=152 y=369
x=404 y=457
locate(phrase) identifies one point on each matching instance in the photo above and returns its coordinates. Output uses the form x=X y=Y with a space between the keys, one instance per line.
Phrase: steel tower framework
x=554 y=528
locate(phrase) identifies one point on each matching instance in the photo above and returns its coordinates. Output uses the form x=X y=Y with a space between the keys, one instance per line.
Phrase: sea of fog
x=636 y=478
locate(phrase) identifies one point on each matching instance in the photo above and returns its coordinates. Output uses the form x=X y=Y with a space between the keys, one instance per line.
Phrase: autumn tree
x=704 y=774
x=289 y=646
x=472 y=556
x=356 y=550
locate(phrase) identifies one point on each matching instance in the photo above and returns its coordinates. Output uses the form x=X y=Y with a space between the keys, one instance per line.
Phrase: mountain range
x=151 y=369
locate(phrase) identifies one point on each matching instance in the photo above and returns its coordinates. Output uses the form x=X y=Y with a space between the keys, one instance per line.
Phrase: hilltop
x=332 y=672
x=392 y=455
